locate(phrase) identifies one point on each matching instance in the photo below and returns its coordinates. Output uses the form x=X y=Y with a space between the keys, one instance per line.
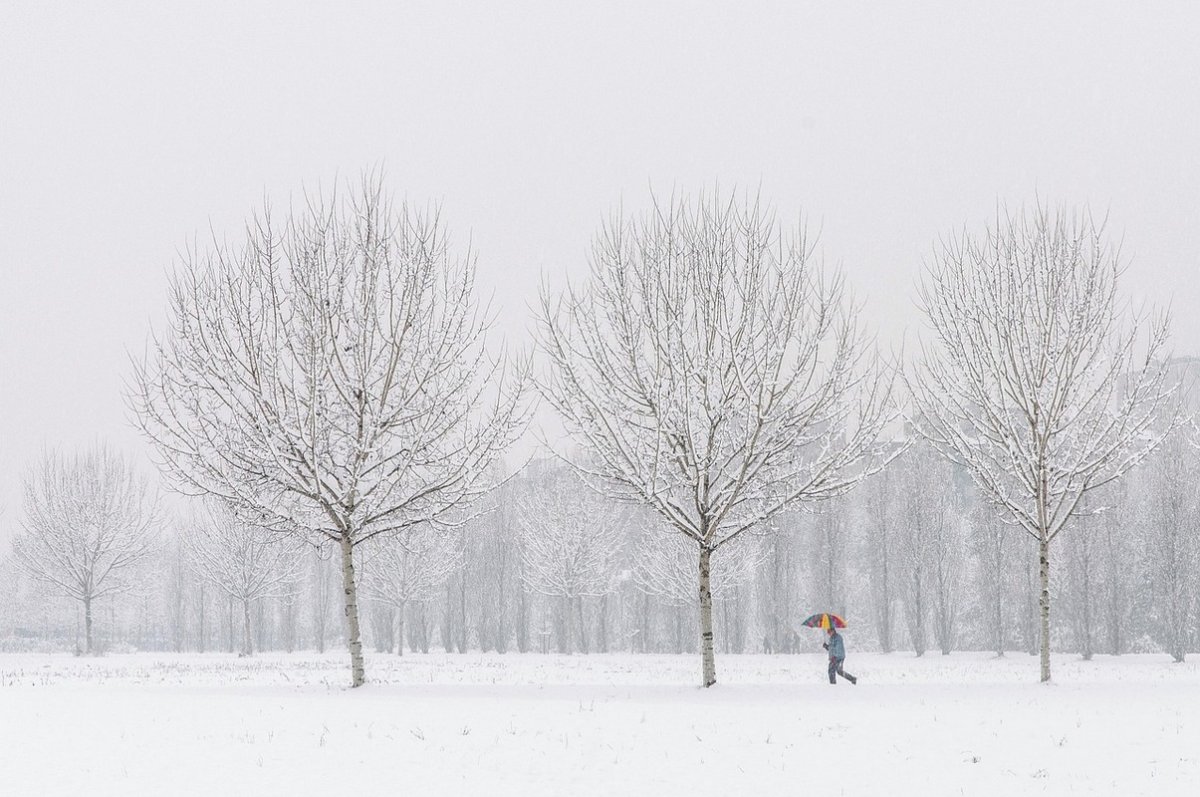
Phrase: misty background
x=129 y=130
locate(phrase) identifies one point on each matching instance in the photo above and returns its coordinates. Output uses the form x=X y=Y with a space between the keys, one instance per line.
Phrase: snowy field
x=153 y=724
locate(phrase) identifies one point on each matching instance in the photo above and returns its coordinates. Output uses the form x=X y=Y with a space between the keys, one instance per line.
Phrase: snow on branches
x=329 y=376
x=88 y=520
x=715 y=374
x=247 y=563
x=1033 y=379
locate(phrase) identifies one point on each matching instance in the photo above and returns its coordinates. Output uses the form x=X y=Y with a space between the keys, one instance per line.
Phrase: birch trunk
x=357 y=667
x=1044 y=604
x=706 y=620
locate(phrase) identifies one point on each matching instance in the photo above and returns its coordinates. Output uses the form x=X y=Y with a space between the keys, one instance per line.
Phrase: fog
x=128 y=131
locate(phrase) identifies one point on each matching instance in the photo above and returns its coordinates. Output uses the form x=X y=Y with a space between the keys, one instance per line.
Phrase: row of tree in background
x=742 y=456
x=914 y=561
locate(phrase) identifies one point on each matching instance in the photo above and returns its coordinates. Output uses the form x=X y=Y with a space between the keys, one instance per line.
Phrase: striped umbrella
x=824 y=620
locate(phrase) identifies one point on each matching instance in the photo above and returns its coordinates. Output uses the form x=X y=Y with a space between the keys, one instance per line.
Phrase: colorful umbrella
x=824 y=620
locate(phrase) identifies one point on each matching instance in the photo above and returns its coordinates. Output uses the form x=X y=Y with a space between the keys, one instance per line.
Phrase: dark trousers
x=835 y=669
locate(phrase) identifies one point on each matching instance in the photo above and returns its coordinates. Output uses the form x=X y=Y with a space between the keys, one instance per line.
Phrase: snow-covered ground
x=152 y=724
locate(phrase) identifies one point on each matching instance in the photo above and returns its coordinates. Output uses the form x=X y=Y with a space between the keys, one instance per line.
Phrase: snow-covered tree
x=329 y=376
x=177 y=595
x=1082 y=579
x=570 y=541
x=496 y=552
x=1119 y=556
x=778 y=586
x=89 y=520
x=398 y=571
x=1033 y=380
x=714 y=374
x=245 y=562
x=922 y=507
x=322 y=595
x=1171 y=528
x=991 y=543
x=827 y=552
x=948 y=544
x=879 y=514
x=928 y=541
x=664 y=566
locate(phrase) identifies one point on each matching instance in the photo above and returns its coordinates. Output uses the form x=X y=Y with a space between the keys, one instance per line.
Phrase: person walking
x=837 y=655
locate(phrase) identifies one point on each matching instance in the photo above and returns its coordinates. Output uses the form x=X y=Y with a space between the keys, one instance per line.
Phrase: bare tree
x=928 y=541
x=499 y=551
x=177 y=593
x=569 y=541
x=921 y=510
x=777 y=588
x=664 y=567
x=1172 y=542
x=880 y=523
x=89 y=519
x=827 y=552
x=1081 y=579
x=398 y=571
x=330 y=376
x=714 y=374
x=246 y=562
x=1033 y=381
x=1118 y=550
x=948 y=541
x=322 y=587
x=989 y=554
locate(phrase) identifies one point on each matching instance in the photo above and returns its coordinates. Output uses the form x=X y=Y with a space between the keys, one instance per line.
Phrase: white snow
x=285 y=724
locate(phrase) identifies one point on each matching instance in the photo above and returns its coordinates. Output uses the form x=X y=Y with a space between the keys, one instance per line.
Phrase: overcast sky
x=128 y=129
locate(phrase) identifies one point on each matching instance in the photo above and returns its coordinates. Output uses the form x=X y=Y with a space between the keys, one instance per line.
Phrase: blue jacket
x=837 y=650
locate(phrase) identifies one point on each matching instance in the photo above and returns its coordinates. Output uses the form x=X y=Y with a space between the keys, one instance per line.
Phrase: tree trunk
x=646 y=621
x=426 y=628
x=448 y=619
x=1087 y=603
x=706 y=619
x=999 y=607
x=583 y=640
x=996 y=549
x=289 y=624
x=1044 y=604
x=87 y=625
x=602 y=642
x=357 y=668
x=400 y=629
x=247 y=645
x=261 y=628
x=563 y=638
x=500 y=630
x=522 y=619
x=462 y=611
x=884 y=609
x=678 y=612
x=917 y=618
x=203 y=603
